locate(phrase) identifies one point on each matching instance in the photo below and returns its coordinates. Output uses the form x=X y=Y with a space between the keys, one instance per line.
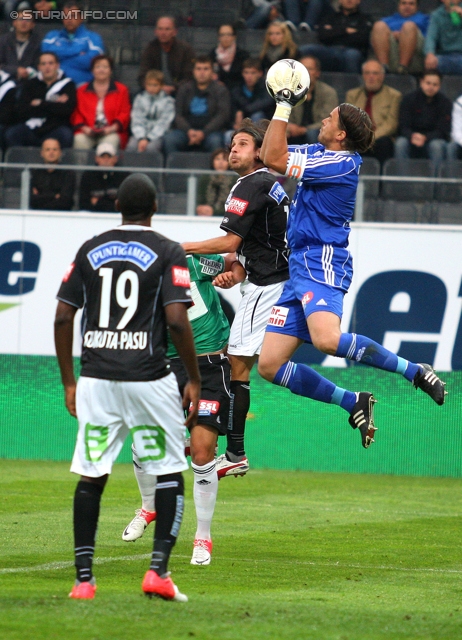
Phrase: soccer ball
x=288 y=80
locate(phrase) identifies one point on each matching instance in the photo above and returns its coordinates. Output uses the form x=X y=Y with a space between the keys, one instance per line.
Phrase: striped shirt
x=324 y=202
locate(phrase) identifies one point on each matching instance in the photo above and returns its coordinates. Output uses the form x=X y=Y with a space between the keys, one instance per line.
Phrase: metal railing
x=192 y=180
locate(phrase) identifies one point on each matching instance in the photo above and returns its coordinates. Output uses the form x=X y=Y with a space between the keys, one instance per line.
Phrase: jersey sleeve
x=242 y=206
x=310 y=163
x=176 y=283
x=72 y=289
x=205 y=267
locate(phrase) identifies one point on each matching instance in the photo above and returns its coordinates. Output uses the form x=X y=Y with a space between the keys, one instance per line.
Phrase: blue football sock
x=366 y=351
x=304 y=381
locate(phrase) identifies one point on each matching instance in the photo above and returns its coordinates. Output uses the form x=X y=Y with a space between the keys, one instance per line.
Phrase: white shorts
x=249 y=324
x=107 y=410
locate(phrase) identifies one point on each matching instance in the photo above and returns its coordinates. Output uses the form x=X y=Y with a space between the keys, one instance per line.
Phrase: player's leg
x=155 y=417
x=245 y=342
x=147 y=513
x=286 y=331
x=326 y=335
x=203 y=442
x=86 y=508
x=241 y=366
x=99 y=441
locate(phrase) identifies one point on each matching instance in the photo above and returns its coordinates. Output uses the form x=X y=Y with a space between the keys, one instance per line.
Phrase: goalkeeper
x=320 y=264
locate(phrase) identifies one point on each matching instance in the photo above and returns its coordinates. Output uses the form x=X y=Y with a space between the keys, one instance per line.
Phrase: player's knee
x=326 y=343
x=267 y=369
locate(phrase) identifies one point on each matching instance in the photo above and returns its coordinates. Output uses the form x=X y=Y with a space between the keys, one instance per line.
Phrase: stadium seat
x=402 y=83
x=213 y=14
x=406 y=201
x=149 y=11
x=342 y=82
x=370 y=167
x=177 y=183
x=251 y=40
x=11 y=192
x=451 y=86
x=143 y=160
x=377 y=9
x=449 y=196
x=128 y=75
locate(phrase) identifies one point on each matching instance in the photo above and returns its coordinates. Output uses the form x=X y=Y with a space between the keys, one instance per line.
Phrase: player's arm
x=182 y=338
x=233 y=274
x=223 y=244
x=274 y=152
x=64 y=334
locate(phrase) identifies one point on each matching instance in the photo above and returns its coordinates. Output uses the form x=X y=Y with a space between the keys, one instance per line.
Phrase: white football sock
x=146 y=484
x=205 y=496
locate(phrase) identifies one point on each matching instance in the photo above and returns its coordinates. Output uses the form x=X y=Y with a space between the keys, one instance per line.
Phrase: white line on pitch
x=51 y=566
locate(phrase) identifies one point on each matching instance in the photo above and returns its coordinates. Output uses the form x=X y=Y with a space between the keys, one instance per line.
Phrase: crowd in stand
x=61 y=88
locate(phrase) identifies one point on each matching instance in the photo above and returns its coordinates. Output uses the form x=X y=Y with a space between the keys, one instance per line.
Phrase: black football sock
x=169 y=508
x=87 y=500
x=240 y=404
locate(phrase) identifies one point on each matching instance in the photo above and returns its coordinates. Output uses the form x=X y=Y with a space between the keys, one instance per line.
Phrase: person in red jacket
x=103 y=109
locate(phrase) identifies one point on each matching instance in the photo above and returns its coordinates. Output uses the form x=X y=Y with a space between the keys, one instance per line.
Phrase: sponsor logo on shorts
x=69 y=271
x=321 y=303
x=237 y=206
x=180 y=277
x=207 y=407
x=115 y=339
x=225 y=220
x=360 y=354
x=135 y=252
x=277 y=193
x=278 y=316
x=210 y=267
x=307 y=298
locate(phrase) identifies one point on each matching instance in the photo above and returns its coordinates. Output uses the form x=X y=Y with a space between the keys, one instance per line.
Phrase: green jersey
x=209 y=324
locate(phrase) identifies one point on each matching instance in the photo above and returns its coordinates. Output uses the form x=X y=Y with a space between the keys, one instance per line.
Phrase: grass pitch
x=296 y=556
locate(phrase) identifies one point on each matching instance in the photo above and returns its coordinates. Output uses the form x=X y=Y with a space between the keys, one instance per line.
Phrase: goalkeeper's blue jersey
x=324 y=202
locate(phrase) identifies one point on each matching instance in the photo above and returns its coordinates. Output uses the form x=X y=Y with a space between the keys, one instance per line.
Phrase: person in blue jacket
x=398 y=40
x=75 y=45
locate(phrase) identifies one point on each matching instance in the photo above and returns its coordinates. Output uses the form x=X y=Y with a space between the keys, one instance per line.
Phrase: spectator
x=45 y=108
x=344 y=37
x=228 y=58
x=203 y=109
x=103 y=108
x=304 y=14
x=256 y=14
x=424 y=121
x=20 y=47
x=7 y=104
x=443 y=43
x=278 y=44
x=152 y=114
x=454 y=148
x=75 y=45
x=98 y=189
x=306 y=119
x=250 y=99
x=51 y=189
x=398 y=40
x=381 y=103
x=168 y=54
x=214 y=189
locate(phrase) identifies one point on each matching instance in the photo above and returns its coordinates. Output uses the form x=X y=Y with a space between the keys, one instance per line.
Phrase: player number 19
x=130 y=302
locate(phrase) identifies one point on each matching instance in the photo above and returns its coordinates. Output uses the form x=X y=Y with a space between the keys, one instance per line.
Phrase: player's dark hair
x=256 y=130
x=137 y=197
x=358 y=127
x=48 y=53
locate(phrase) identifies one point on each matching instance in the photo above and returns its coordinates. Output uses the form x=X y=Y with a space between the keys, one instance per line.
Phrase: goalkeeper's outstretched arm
x=274 y=151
